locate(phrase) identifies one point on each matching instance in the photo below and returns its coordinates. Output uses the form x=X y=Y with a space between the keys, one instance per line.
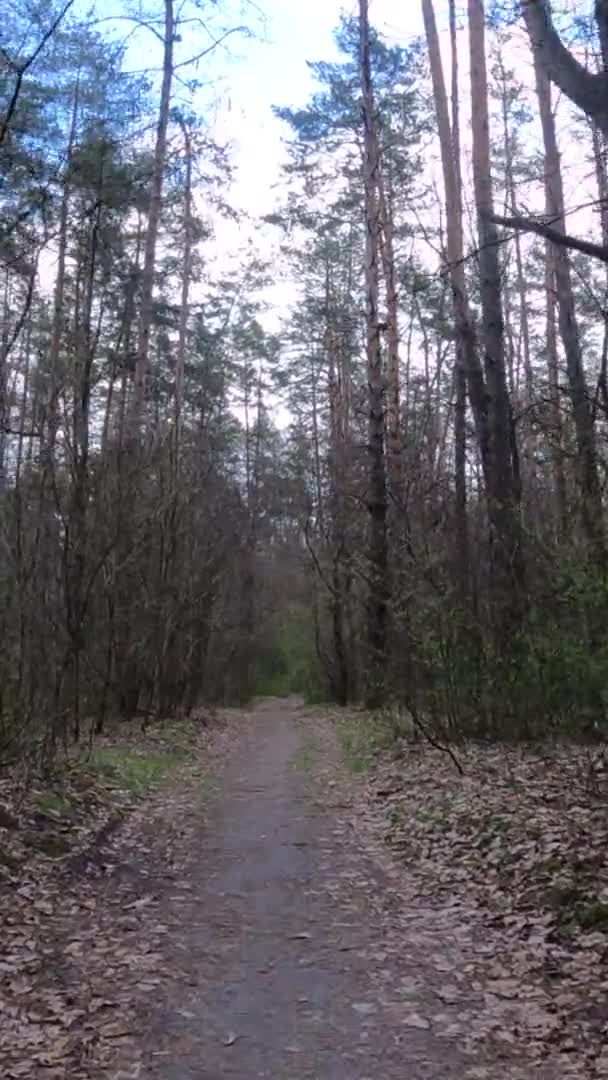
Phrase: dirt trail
x=293 y=958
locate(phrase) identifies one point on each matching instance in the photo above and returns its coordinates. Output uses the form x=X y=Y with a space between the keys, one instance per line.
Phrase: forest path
x=290 y=954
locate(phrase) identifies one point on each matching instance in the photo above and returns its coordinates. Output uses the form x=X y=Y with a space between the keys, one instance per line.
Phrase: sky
x=246 y=75
x=242 y=80
x=248 y=78
x=270 y=68
x=273 y=71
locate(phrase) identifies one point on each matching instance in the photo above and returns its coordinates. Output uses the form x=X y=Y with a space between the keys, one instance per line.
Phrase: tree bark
x=378 y=595
x=589 y=481
x=154 y=212
x=59 y=291
x=559 y=476
x=587 y=90
x=460 y=370
x=184 y=310
x=511 y=193
x=450 y=160
x=503 y=508
x=393 y=393
x=337 y=481
x=601 y=175
x=549 y=232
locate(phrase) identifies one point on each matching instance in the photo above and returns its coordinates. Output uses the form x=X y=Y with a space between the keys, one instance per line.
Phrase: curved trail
x=287 y=967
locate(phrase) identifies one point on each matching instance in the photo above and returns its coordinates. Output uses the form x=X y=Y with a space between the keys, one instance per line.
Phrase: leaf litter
x=82 y=941
x=509 y=862
x=512 y=860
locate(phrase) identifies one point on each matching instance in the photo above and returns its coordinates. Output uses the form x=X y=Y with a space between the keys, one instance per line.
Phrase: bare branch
x=545 y=229
x=22 y=69
x=138 y=24
x=430 y=738
x=214 y=44
x=587 y=90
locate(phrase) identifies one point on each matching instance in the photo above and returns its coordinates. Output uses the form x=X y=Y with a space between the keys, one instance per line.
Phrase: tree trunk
x=76 y=540
x=511 y=193
x=586 y=89
x=503 y=509
x=184 y=310
x=154 y=212
x=599 y=158
x=450 y=160
x=393 y=394
x=59 y=292
x=589 y=482
x=559 y=476
x=460 y=372
x=4 y=394
x=377 y=605
x=340 y=673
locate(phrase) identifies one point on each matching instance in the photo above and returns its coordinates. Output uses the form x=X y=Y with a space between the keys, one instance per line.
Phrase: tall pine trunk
x=154 y=212
x=184 y=310
x=506 y=555
x=559 y=475
x=450 y=161
x=378 y=590
x=582 y=413
x=393 y=394
x=463 y=572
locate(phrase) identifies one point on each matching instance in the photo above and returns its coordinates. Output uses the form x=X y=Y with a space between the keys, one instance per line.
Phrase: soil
x=295 y=956
x=245 y=922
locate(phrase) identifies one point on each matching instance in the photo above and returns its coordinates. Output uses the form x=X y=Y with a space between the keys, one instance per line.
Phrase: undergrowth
x=307 y=753
x=135 y=772
x=363 y=736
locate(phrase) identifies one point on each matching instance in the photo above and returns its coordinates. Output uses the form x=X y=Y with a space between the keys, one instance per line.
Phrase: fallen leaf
x=415 y=1020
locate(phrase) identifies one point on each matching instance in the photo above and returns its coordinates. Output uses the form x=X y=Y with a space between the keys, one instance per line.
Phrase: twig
x=431 y=738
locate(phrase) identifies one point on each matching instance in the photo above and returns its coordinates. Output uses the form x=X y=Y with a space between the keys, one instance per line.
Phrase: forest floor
x=266 y=912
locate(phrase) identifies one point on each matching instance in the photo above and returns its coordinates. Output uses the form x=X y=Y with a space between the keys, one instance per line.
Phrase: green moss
x=440 y=816
x=486 y=839
x=306 y=755
x=8 y=860
x=499 y=824
x=592 y=915
x=362 y=736
x=52 y=802
x=52 y=844
x=551 y=866
x=563 y=896
x=136 y=772
x=287 y=661
x=398 y=815
x=496 y=826
x=276 y=684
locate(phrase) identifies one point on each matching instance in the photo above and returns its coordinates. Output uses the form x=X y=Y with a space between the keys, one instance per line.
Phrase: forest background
x=310 y=398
